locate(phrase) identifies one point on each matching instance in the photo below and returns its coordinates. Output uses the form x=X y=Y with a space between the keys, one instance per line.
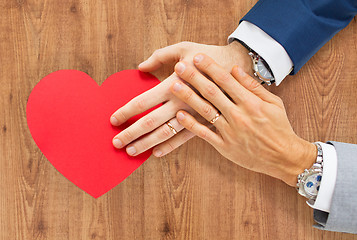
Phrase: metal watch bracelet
x=308 y=182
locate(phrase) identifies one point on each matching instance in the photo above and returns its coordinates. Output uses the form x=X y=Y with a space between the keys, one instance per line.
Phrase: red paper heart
x=68 y=116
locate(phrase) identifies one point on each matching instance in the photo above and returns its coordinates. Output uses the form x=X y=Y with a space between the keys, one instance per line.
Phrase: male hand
x=253 y=128
x=153 y=124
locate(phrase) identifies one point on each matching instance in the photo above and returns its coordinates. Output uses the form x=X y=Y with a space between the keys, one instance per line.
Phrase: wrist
x=302 y=156
x=241 y=56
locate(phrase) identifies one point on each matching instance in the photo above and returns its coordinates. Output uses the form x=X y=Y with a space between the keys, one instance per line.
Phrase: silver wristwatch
x=309 y=181
x=261 y=69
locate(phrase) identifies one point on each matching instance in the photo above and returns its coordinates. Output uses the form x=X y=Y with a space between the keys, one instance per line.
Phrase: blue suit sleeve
x=302 y=27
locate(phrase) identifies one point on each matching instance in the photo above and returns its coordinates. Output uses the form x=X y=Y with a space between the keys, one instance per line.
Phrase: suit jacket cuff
x=270 y=50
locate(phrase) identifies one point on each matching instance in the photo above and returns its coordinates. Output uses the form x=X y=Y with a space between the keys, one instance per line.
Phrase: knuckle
x=243 y=99
x=253 y=84
x=235 y=114
x=191 y=125
x=222 y=145
x=242 y=121
x=192 y=75
x=183 y=47
x=202 y=133
x=211 y=90
x=207 y=110
x=207 y=63
x=142 y=146
x=148 y=123
x=223 y=77
x=188 y=96
x=255 y=105
x=165 y=132
x=121 y=115
x=170 y=147
x=128 y=136
x=140 y=104
x=156 y=53
x=227 y=129
x=183 y=44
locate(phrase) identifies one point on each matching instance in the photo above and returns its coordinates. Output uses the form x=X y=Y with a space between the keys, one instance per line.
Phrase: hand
x=253 y=129
x=153 y=124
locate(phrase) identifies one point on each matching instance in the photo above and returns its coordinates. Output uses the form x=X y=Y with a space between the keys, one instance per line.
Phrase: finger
x=173 y=143
x=253 y=85
x=160 y=57
x=207 y=88
x=154 y=138
x=204 y=108
x=142 y=103
x=177 y=140
x=191 y=124
x=144 y=125
x=221 y=77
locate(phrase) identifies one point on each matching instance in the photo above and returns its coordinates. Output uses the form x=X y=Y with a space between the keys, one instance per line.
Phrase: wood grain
x=193 y=193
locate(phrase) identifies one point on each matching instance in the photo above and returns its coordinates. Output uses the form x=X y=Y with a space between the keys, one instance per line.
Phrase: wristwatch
x=261 y=69
x=309 y=181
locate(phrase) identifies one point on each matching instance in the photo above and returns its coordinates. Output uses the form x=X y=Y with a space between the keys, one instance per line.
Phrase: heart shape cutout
x=68 y=117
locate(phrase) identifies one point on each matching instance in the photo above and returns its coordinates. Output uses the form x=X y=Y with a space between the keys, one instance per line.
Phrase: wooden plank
x=193 y=193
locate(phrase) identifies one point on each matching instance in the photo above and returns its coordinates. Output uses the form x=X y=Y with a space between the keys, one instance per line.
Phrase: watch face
x=263 y=70
x=312 y=184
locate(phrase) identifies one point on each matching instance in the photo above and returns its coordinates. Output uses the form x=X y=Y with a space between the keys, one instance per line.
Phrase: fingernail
x=141 y=64
x=241 y=72
x=157 y=153
x=117 y=143
x=131 y=150
x=181 y=116
x=177 y=87
x=114 y=121
x=180 y=68
x=198 y=58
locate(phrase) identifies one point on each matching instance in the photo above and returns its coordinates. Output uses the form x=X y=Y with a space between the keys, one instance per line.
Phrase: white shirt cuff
x=328 y=181
x=270 y=50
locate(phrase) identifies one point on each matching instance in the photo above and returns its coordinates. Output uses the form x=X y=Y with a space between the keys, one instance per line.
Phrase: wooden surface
x=192 y=193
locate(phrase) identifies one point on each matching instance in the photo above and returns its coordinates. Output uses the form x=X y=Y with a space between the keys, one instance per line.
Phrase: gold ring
x=173 y=130
x=215 y=118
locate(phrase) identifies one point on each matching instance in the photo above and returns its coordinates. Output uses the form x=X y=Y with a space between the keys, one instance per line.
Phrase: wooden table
x=193 y=193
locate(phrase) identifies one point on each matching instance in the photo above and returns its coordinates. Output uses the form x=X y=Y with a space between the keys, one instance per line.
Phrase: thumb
x=253 y=85
x=161 y=57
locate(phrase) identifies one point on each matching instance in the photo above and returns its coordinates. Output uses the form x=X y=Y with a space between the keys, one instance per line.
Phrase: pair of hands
x=158 y=134
x=252 y=129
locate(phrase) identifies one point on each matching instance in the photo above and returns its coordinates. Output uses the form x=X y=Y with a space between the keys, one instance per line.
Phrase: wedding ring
x=173 y=130
x=215 y=118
